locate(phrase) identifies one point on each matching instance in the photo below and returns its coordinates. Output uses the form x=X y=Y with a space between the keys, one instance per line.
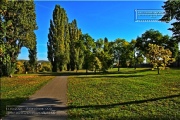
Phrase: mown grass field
x=17 y=89
x=129 y=94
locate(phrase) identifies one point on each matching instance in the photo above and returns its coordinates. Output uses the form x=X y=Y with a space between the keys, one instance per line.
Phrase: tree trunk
x=178 y=62
x=60 y=68
x=158 y=70
x=54 y=67
x=86 y=70
x=135 y=66
x=135 y=63
x=68 y=67
x=119 y=65
x=86 y=63
x=77 y=68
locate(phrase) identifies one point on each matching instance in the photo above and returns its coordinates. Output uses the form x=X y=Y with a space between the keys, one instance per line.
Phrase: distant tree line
x=24 y=66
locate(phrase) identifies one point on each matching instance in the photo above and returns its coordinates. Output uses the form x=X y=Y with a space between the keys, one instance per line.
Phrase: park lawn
x=17 y=89
x=139 y=95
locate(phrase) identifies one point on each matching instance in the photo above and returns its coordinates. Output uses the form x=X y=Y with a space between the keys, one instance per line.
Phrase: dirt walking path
x=49 y=103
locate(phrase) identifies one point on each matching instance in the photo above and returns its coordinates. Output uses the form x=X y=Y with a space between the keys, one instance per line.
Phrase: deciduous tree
x=89 y=45
x=18 y=20
x=121 y=52
x=150 y=36
x=158 y=56
x=172 y=12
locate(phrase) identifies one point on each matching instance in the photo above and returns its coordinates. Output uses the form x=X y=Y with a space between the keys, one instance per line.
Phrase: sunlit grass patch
x=136 y=95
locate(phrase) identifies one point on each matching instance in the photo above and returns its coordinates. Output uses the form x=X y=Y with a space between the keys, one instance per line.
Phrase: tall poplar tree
x=73 y=31
x=79 y=50
x=58 y=39
x=67 y=47
x=75 y=45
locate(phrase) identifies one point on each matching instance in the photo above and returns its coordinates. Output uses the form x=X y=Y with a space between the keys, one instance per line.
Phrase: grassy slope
x=17 y=89
x=128 y=95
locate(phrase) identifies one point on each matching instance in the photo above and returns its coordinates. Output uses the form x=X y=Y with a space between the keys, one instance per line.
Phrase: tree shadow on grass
x=99 y=115
x=115 y=76
x=73 y=73
x=130 y=71
x=124 y=103
x=66 y=73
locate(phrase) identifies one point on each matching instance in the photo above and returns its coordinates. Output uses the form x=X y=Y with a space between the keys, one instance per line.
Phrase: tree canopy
x=17 y=23
x=158 y=56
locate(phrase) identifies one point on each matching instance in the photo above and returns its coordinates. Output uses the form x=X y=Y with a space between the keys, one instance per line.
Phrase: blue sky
x=99 y=19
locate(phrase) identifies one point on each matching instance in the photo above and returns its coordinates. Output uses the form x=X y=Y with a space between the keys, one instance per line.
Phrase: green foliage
x=44 y=67
x=27 y=67
x=104 y=53
x=172 y=45
x=95 y=64
x=75 y=46
x=58 y=39
x=33 y=53
x=155 y=37
x=171 y=8
x=89 y=45
x=17 y=22
x=150 y=36
x=139 y=58
x=159 y=56
x=20 y=67
x=135 y=56
x=123 y=52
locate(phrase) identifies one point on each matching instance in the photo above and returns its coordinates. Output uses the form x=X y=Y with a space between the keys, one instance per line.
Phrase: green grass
x=128 y=94
x=17 y=89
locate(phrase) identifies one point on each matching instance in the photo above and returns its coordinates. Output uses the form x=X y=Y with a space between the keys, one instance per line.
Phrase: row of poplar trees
x=17 y=25
x=68 y=48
